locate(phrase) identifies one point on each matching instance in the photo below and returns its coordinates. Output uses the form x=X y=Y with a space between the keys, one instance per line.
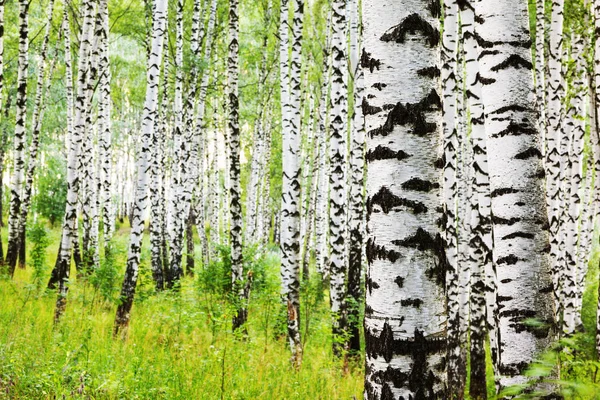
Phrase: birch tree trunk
x=357 y=184
x=36 y=127
x=517 y=189
x=405 y=312
x=290 y=205
x=235 y=205
x=554 y=134
x=69 y=241
x=18 y=175
x=337 y=177
x=149 y=115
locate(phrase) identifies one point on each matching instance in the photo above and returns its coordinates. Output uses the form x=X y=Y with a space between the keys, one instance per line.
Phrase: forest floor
x=179 y=344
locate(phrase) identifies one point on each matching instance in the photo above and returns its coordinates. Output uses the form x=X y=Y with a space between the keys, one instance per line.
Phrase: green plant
x=38 y=237
x=104 y=279
x=51 y=193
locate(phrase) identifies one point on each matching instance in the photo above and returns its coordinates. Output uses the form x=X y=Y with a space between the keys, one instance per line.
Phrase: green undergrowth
x=179 y=344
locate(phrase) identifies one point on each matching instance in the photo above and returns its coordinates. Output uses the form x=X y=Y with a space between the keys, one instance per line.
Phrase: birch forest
x=299 y=199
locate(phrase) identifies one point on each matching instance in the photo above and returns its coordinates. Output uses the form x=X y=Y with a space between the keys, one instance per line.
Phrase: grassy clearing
x=179 y=345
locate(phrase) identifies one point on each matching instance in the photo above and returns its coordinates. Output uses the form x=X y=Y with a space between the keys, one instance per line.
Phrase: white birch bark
x=290 y=203
x=235 y=206
x=516 y=173
x=60 y=274
x=405 y=312
x=19 y=140
x=141 y=195
x=337 y=177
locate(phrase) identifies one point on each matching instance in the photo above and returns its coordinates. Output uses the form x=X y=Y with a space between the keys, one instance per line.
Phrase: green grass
x=179 y=345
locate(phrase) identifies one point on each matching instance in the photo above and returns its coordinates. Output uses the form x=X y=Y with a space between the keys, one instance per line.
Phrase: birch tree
x=18 y=175
x=290 y=205
x=159 y=15
x=337 y=177
x=517 y=190
x=405 y=312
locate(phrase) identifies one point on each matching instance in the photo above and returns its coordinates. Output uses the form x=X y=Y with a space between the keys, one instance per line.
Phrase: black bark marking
x=369 y=109
x=423 y=241
x=503 y=191
x=367 y=62
x=516 y=129
x=514 y=61
x=489 y=44
x=385 y=153
x=413 y=23
x=411 y=114
x=411 y=303
x=440 y=162
x=505 y=109
x=376 y=252
x=508 y=260
x=420 y=379
x=434 y=8
x=388 y=201
x=515 y=235
x=399 y=281
x=419 y=185
x=379 y=86
x=483 y=80
x=504 y=221
x=529 y=153
x=430 y=72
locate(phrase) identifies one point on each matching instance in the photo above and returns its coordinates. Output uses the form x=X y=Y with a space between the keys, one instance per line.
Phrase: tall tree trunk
x=456 y=377
x=18 y=176
x=357 y=185
x=290 y=204
x=235 y=206
x=405 y=312
x=516 y=183
x=149 y=116
x=554 y=133
x=322 y=215
x=158 y=177
x=483 y=276
x=337 y=177
x=36 y=126
x=60 y=275
x=105 y=129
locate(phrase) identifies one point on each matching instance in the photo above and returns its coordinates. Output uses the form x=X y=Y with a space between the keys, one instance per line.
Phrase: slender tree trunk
x=105 y=129
x=149 y=116
x=19 y=140
x=517 y=189
x=158 y=243
x=36 y=125
x=290 y=204
x=337 y=177
x=69 y=238
x=235 y=206
x=554 y=133
x=483 y=276
x=405 y=312
x=322 y=214
x=357 y=185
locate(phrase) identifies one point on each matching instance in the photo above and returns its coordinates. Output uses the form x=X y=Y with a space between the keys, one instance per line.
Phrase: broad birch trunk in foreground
x=517 y=188
x=141 y=194
x=405 y=312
